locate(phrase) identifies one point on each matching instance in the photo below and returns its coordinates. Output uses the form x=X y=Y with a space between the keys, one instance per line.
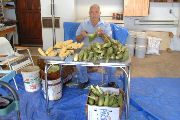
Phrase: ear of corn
x=106 y=101
x=101 y=100
x=91 y=37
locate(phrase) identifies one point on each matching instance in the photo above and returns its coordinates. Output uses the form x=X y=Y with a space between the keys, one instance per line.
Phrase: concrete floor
x=164 y=65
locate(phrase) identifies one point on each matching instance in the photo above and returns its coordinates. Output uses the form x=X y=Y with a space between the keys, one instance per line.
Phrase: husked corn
x=52 y=53
x=41 y=52
x=49 y=50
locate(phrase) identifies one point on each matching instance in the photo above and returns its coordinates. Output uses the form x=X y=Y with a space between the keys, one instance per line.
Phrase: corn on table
x=124 y=66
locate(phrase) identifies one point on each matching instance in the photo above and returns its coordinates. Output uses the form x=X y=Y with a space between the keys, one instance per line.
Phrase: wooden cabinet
x=168 y=1
x=136 y=7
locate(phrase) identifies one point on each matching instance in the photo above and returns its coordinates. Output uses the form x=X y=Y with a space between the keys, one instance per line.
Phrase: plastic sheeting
x=151 y=99
x=118 y=33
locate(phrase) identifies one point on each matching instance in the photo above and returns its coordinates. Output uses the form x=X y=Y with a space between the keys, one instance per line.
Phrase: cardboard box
x=103 y=112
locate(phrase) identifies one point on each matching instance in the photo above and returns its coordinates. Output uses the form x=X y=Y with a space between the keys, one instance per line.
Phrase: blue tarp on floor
x=151 y=99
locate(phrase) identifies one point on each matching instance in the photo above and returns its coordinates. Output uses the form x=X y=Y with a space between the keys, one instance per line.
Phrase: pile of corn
x=100 y=98
x=111 y=49
x=64 y=48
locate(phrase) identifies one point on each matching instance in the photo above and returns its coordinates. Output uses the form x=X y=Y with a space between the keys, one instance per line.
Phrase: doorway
x=29 y=22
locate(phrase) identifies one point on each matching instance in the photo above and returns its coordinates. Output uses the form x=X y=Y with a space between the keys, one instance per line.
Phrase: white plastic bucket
x=140 y=51
x=54 y=89
x=31 y=78
x=131 y=49
x=141 y=39
x=131 y=38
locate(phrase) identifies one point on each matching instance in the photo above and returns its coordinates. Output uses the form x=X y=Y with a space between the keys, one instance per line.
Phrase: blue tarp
x=151 y=99
x=118 y=33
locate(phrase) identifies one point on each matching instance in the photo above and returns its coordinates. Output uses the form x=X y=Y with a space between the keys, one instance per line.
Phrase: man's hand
x=84 y=33
x=99 y=32
x=80 y=37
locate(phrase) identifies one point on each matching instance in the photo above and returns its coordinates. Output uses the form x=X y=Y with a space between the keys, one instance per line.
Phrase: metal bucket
x=31 y=78
x=54 y=89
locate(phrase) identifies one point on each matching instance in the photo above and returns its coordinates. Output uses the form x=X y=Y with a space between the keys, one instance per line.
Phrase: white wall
x=63 y=9
x=159 y=11
x=108 y=7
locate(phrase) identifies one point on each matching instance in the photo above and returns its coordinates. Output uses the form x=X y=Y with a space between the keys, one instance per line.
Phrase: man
x=102 y=29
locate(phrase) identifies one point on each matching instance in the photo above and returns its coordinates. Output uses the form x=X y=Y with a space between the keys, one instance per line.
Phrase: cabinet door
x=136 y=7
x=29 y=19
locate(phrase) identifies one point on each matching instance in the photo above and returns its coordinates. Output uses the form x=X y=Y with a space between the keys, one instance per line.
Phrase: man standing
x=102 y=29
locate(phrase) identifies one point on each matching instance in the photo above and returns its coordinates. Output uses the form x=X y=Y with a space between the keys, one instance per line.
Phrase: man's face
x=94 y=13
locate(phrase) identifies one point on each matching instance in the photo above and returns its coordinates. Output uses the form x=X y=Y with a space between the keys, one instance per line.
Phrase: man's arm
x=80 y=37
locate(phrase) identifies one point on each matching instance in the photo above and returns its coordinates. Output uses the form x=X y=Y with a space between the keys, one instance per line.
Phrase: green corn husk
x=91 y=55
x=125 y=56
x=99 y=89
x=95 y=50
x=113 y=56
x=115 y=105
x=85 y=56
x=106 y=40
x=98 y=45
x=109 y=50
x=106 y=100
x=115 y=101
x=92 y=96
x=120 y=99
x=91 y=101
x=116 y=42
x=103 y=53
x=81 y=54
x=101 y=100
x=124 y=48
x=95 y=59
x=107 y=45
x=111 y=99
x=90 y=47
x=107 y=59
x=91 y=37
x=95 y=91
x=115 y=48
x=119 y=56
x=112 y=40
x=120 y=46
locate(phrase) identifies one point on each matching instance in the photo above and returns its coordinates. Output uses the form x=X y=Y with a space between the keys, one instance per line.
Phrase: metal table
x=125 y=66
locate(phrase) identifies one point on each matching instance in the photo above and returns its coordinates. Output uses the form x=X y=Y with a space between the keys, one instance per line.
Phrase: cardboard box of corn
x=105 y=103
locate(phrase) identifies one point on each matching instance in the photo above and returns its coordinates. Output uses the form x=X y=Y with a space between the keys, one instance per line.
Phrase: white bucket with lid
x=140 y=51
x=54 y=89
x=31 y=78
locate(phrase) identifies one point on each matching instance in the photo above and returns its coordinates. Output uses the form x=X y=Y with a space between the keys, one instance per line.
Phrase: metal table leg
x=126 y=88
x=46 y=86
x=128 y=92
